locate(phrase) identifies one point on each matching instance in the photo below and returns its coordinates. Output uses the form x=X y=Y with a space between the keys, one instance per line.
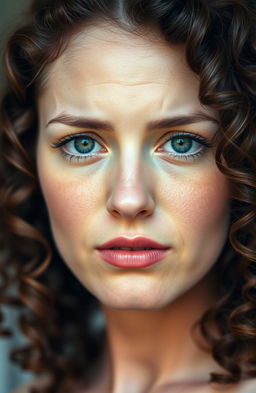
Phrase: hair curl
x=220 y=41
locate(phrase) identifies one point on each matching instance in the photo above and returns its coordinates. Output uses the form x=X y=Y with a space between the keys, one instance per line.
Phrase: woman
x=128 y=141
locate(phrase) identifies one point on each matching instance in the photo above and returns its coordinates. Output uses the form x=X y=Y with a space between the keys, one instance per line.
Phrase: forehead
x=109 y=54
x=104 y=62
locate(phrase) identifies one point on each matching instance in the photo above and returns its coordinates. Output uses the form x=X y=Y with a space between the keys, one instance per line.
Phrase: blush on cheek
x=64 y=203
x=203 y=204
x=214 y=200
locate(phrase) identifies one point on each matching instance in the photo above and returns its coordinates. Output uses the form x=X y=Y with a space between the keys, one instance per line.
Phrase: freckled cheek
x=70 y=203
x=202 y=206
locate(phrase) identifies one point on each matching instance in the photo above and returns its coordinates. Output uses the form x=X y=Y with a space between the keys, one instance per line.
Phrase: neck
x=155 y=348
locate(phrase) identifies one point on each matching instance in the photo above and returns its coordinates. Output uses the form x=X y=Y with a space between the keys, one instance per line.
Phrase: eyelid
x=168 y=136
x=204 y=142
x=70 y=137
x=193 y=135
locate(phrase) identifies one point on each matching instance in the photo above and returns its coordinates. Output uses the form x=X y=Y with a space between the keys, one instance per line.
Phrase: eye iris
x=182 y=144
x=83 y=144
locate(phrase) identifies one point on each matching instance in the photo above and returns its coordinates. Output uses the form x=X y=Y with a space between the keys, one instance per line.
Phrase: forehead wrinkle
x=132 y=84
x=61 y=78
x=109 y=37
x=71 y=57
x=102 y=34
x=59 y=67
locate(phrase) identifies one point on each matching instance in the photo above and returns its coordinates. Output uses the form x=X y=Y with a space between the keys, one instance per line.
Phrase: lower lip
x=132 y=259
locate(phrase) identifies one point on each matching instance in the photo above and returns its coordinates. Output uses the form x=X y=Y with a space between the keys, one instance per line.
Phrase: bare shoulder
x=37 y=382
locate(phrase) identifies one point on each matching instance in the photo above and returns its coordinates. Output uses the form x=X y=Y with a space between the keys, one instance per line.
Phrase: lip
x=134 y=242
x=132 y=258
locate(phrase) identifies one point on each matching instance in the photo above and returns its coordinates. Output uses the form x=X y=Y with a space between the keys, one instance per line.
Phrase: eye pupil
x=83 y=144
x=181 y=144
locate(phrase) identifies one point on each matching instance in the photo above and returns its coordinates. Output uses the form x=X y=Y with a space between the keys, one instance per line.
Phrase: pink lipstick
x=135 y=252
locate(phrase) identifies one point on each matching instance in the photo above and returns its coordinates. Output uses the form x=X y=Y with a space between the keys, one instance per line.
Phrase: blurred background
x=11 y=376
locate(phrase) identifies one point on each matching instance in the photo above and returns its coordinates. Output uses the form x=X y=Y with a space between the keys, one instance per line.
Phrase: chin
x=134 y=302
x=132 y=306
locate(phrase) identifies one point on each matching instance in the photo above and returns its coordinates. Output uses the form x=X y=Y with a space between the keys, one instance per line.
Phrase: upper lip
x=132 y=242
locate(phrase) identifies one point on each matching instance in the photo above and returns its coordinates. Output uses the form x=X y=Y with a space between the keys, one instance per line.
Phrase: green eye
x=185 y=146
x=181 y=144
x=84 y=144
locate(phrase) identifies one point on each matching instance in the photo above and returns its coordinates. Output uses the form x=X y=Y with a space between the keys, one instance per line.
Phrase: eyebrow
x=83 y=122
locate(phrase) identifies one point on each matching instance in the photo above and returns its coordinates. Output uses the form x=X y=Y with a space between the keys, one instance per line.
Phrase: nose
x=130 y=195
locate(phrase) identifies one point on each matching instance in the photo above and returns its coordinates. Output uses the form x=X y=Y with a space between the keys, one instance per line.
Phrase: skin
x=134 y=187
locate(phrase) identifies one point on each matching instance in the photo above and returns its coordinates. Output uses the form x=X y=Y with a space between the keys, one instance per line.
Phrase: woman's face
x=132 y=177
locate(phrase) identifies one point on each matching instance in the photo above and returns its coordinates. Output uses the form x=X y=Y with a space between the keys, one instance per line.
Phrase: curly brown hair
x=220 y=41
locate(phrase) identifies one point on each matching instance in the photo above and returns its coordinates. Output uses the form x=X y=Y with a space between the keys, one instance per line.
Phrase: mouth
x=135 y=252
x=131 y=248
x=136 y=243
x=132 y=257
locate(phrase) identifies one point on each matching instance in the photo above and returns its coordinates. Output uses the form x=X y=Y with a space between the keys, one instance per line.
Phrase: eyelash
x=81 y=158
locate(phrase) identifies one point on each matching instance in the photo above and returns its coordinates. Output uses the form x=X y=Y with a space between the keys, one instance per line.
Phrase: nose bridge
x=130 y=188
x=131 y=165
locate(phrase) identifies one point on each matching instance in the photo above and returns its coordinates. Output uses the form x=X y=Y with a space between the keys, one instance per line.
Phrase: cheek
x=205 y=203
x=198 y=204
x=70 y=202
x=64 y=206
x=203 y=218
